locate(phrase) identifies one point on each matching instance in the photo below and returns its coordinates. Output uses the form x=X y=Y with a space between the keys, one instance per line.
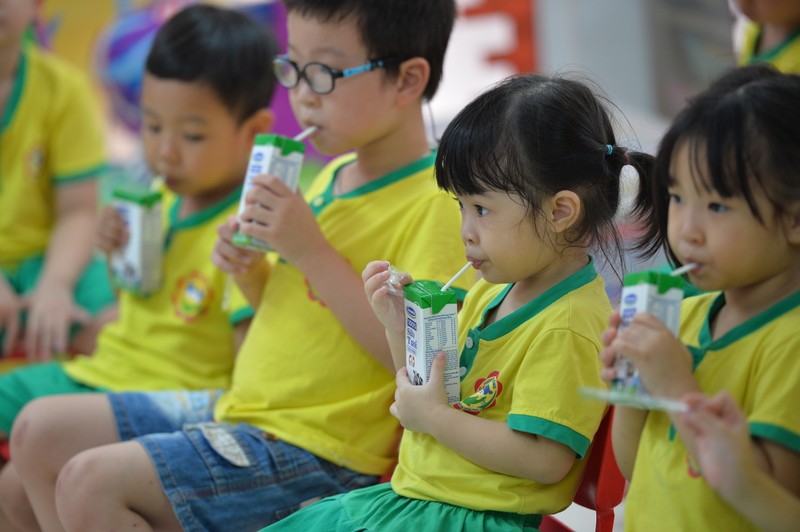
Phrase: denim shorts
x=219 y=476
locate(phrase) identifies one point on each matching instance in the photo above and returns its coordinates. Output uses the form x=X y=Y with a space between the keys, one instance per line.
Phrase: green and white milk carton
x=432 y=326
x=657 y=293
x=137 y=267
x=275 y=155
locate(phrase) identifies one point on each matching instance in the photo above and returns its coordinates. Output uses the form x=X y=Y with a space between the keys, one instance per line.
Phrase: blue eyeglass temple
x=363 y=68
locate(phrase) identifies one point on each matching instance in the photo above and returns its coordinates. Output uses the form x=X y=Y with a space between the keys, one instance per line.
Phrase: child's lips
x=475 y=263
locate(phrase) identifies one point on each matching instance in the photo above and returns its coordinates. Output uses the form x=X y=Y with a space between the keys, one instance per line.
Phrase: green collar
x=319 y=203
x=773 y=52
x=16 y=91
x=200 y=217
x=508 y=323
x=706 y=343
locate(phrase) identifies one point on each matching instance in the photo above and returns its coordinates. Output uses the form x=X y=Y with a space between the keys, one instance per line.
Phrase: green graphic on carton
x=287 y=146
x=428 y=294
x=662 y=281
x=136 y=194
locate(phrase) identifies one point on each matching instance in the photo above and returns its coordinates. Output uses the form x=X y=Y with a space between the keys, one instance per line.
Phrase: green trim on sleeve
x=554 y=431
x=779 y=435
x=91 y=173
x=242 y=314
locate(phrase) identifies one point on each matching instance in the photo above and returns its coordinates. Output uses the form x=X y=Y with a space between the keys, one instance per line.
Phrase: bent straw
x=305 y=133
x=683 y=269
x=456 y=276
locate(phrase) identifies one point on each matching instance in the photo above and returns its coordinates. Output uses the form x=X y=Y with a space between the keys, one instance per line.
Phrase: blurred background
x=647 y=56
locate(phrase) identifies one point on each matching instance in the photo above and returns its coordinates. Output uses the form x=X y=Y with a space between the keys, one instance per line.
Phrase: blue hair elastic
x=609 y=149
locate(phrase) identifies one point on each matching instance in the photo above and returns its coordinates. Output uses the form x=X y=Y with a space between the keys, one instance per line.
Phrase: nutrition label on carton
x=432 y=326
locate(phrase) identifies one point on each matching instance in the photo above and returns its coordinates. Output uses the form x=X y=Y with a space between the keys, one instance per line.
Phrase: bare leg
x=47 y=433
x=114 y=487
x=14 y=505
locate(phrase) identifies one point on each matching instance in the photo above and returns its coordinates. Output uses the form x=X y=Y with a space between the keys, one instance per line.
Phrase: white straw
x=305 y=133
x=683 y=269
x=456 y=276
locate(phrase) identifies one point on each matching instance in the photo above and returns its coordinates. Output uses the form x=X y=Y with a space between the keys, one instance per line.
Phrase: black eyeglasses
x=320 y=77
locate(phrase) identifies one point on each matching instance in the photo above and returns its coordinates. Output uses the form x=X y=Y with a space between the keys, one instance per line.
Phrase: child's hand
x=607 y=355
x=417 y=407
x=51 y=313
x=10 y=308
x=111 y=233
x=663 y=362
x=281 y=217
x=388 y=307
x=723 y=446
x=230 y=258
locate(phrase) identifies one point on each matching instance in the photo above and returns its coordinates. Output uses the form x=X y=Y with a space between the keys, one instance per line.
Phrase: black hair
x=224 y=49
x=533 y=136
x=392 y=29
x=742 y=134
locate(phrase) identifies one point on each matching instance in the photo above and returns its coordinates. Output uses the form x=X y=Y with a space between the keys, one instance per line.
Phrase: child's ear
x=564 y=210
x=412 y=79
x=792 y=224
x=259 y=122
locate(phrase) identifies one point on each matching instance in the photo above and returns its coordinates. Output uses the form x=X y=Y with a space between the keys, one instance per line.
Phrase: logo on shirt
x=312 y=294
x=34 y=162
x=692 y=467
x=192 y=296
x=486 y=393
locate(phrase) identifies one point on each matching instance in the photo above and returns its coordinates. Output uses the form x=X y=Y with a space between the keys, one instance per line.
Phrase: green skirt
x=379 y=508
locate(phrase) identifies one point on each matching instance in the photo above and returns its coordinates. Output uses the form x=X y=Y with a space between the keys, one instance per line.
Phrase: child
x=206 y=92
x=535 y=168
x=307 y=412
x=50 y=284
x=725 y=197
x=724 y=452
x=772 y=35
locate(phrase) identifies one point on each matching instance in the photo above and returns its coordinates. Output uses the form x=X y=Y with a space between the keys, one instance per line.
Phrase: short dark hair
x=222 y=48
x=743 y=134
x=399 y=29
x=533 y=135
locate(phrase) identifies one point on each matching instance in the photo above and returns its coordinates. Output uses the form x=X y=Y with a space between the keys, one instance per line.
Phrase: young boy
x=52 y=153
x=206 y=93
x=307 y=413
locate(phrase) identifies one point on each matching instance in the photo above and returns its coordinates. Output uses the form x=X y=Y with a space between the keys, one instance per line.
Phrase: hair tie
x=609 y=149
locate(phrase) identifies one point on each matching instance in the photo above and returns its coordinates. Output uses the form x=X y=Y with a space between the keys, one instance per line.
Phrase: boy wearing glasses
x=307 y=414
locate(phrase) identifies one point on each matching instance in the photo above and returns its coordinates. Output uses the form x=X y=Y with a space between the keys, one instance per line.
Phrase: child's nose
x=691 y=227
x=468 y=235
x=168 y=149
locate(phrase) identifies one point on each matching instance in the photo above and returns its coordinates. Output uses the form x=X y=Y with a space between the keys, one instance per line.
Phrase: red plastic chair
x=602 y=486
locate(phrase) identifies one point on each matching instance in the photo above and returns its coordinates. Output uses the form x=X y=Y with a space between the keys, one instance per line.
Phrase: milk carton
x=275 y=155
x=432 y=326
x=659 y=294
x=137 y=267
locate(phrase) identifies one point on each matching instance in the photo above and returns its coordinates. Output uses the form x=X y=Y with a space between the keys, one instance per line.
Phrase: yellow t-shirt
x=757 y=363
x=180 y=337
x=300 y=376
x=785 y=57
x=50 y=135
x=524 y=370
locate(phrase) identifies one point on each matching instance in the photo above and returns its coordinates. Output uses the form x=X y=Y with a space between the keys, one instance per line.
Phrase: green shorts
x=23 y=385
x=93 y=291
x=380 y=508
